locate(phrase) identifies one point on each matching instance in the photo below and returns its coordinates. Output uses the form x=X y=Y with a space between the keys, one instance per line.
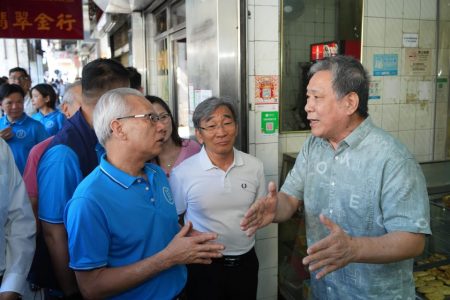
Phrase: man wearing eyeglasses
x=20 y=77
x=124 y=236
x=73 y=153
x=213 y=189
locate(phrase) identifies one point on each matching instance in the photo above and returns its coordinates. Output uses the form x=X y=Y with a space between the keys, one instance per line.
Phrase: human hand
x=190 y=246
x=331 y=253
x=262 y=212
x=6 y=133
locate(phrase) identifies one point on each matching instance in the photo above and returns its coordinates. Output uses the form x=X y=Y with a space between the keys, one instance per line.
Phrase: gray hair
x=208 y=106
x=69 y=95
x=349 y=76
x=110 y=106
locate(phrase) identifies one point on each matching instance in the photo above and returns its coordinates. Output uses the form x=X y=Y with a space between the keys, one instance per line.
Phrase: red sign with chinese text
x=41 y=19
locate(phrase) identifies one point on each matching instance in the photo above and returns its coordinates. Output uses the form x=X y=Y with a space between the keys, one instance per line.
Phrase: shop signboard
x=41 y=19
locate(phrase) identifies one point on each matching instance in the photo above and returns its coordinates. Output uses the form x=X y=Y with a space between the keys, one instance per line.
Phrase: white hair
x=69 y=95
x=110 y=106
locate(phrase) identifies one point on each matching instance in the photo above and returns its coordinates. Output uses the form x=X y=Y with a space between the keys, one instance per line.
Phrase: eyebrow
x=227 y=116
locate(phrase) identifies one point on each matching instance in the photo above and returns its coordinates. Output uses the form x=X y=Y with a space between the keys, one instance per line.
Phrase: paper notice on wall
x=375 y=88
x=417 y=61
x=391 y=92
x=442 y=89
x=266 y=90
x=425 y=90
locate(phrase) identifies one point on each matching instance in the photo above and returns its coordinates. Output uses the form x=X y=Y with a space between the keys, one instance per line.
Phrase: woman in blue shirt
x=43 y=97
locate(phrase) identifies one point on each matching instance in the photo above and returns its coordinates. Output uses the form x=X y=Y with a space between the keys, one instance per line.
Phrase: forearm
x=56 y=241
x=105 y=282
x=286 y=207
x=391 y=247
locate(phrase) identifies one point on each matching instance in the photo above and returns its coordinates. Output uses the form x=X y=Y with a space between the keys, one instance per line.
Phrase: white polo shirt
x=215 y=200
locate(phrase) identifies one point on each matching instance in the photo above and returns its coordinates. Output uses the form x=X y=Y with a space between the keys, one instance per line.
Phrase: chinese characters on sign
x=46 y=19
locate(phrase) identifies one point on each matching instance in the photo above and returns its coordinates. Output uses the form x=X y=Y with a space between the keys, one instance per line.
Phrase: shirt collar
x=207 y=164
x=360 y=132
x=18 y=121
x=120 y=177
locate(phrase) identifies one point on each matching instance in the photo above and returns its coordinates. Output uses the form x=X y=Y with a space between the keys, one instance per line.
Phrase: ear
x=65 y=110
x=198 y=135
x=351 y=102
x=117 y=130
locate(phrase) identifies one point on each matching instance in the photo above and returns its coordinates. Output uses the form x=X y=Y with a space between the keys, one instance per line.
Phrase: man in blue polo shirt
x=124 y=237
x=20 y=131
x=71 y=156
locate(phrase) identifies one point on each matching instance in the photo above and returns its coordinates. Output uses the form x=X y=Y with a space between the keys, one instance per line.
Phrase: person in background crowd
x=17 y=242
x=213 y=189
x=44 y=100
x=3 y=80
x=70 y=157
x=135 y=79
x=364 y=195
x=20 y=131
x=20 y=76
x=39 y=274
x=113 y=257
x=71 y=99
x=174 y=148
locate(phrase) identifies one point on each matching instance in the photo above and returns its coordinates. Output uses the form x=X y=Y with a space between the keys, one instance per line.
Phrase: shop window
x=312 y=29
x=161 y=22
x=178 y=14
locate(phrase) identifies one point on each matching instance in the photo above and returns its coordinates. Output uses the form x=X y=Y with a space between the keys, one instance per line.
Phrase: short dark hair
x=135 y=78
x=100 y=76
x=7 y=89
x=18 y=69
x=208 y=106
x=46 y=90
x=349 y=76
x=175 y=136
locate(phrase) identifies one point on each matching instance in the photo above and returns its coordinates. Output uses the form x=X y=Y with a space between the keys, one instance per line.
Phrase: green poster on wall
x=269 y=122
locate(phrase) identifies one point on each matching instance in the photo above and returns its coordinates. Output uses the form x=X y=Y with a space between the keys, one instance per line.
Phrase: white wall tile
x=266 y=2
x=266 y=23
x=266 y=58
x=375 y=112
x=267 y=153
x=428 y=9
x=391 y=89
x=407 y=117
x=375 y=31
x=294 y=144
x=444 y=10
x=251 y=126
x=427 y=34
x=267 y=252
x=441 y=114
x=252 y=149
x=394 y=8
x=407 y=138
x=251 y=23
x=423 y=142
x=411 y=9
x=376 y=8
x=390 y=117
x=251 y=58
x=424 y=115
x=267 y=284
x=393 y=35
x=411 y=26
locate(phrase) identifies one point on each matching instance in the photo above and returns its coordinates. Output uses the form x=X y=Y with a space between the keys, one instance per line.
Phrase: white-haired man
x=125 y=243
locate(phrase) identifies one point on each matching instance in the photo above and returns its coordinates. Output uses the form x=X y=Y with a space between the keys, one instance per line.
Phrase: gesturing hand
x=189 y=246
x=262 y=212
x=331 y=253
x=6 y=133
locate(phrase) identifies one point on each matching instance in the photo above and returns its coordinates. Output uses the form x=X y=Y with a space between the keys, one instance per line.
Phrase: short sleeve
x=176 y=185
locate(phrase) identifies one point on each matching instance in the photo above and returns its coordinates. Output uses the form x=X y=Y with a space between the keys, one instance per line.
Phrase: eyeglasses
x=164 y=117
x=154 y=118
x=214 y=127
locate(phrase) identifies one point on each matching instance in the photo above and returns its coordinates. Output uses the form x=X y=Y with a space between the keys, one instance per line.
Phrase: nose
x=308 y=106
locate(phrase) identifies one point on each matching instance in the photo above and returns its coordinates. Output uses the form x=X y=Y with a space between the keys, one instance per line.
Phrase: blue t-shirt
x=52 y=122
x=115 y=219
x=27 y=133
x=369 y=186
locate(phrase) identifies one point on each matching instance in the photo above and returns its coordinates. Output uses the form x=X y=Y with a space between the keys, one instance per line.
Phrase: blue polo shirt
x=115 y=219
x=52 y=122
x=27 y=133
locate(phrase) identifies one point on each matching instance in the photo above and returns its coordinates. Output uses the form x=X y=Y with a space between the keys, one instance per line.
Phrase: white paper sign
x=411 y=40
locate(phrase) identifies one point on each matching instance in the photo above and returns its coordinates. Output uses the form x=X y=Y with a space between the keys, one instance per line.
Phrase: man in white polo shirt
x=214 y=189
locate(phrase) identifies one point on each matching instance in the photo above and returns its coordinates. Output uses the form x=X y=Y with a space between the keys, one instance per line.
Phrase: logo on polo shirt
x=20 y=134
x=49 y=124
x=167 y=195
x=244 y=185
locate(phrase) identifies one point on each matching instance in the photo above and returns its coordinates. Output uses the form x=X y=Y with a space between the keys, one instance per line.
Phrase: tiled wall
x=404 y=109
x=263 y=59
